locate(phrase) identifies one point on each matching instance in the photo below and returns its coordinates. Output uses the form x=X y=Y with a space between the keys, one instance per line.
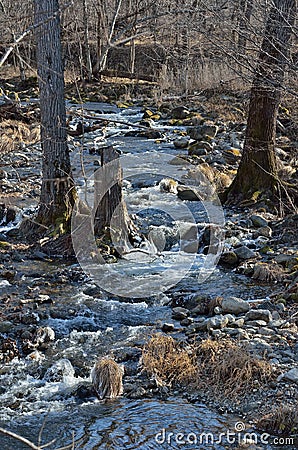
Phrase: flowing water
x=41 y=390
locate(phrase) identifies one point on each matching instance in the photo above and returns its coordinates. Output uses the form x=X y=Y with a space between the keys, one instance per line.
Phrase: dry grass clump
x=167 y=361
x=206 y=175
x=283 y=420
x=12 y=132
x=230 y=368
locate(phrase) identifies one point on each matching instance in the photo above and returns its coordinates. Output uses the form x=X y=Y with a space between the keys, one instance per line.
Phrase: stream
x=114 y=309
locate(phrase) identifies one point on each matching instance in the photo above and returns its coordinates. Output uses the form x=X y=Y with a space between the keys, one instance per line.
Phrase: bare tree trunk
x=257 y=173
x=245 y=11
x=111 y=216
x=86 y=42
x=57 y=191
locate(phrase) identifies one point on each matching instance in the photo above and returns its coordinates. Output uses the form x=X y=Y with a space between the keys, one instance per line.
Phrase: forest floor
x=261 y=245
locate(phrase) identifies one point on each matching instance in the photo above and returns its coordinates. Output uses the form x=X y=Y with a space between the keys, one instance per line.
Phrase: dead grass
x=229 y=368
x=283 y=420
x=223 y=366
x=168 y=362
x=12 y=132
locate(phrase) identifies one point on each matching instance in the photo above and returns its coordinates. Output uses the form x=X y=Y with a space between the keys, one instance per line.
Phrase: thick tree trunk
x=57 y=191
x=257 y=173
x=111 y=217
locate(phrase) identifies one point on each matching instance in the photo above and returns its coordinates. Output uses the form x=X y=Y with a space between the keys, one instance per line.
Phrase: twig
x=32 y=445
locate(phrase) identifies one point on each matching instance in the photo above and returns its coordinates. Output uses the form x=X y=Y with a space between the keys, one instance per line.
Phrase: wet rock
x=44 y=335
x=151 y=134
x=180 y=113
x=238 y=323
x=258 y=221
x=178 y=161
x=168 y=185
x=30 y=318
x=10 y=215
x=202 y=131
x=8 y=275
x=217 y=322
x=291 y=375
x=200 y=148
x=61 y=369
x=93 y=291
x=38 y=255
x=181 y=142
x=197 y=151
x=163 y=237
x=197 y=326
x=256 y=323
x=6 y=326
x=244 y=252
x=84 y=390
x=265 y=231
x=135 y=392
x=258 y=314
x=186 y=322
x=234 y=305
x=168 y=327
x=229 y=259
x=179 y=313
x=187 y=193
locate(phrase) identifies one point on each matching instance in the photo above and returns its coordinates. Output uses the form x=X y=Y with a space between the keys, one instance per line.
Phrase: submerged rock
x=61 y=369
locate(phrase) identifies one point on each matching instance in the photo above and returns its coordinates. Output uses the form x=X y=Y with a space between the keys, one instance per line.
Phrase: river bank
x=52 y=311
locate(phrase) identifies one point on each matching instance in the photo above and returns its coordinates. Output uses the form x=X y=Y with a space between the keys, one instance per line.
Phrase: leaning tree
x=257 y=173
x=57 y=190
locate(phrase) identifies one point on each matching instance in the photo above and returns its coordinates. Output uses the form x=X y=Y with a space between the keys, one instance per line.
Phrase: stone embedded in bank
x=234 y=305
x=258 y=314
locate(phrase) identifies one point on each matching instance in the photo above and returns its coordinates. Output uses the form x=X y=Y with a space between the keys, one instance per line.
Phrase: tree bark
x=57 y=191
x=111 y=218
x=257 y=173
